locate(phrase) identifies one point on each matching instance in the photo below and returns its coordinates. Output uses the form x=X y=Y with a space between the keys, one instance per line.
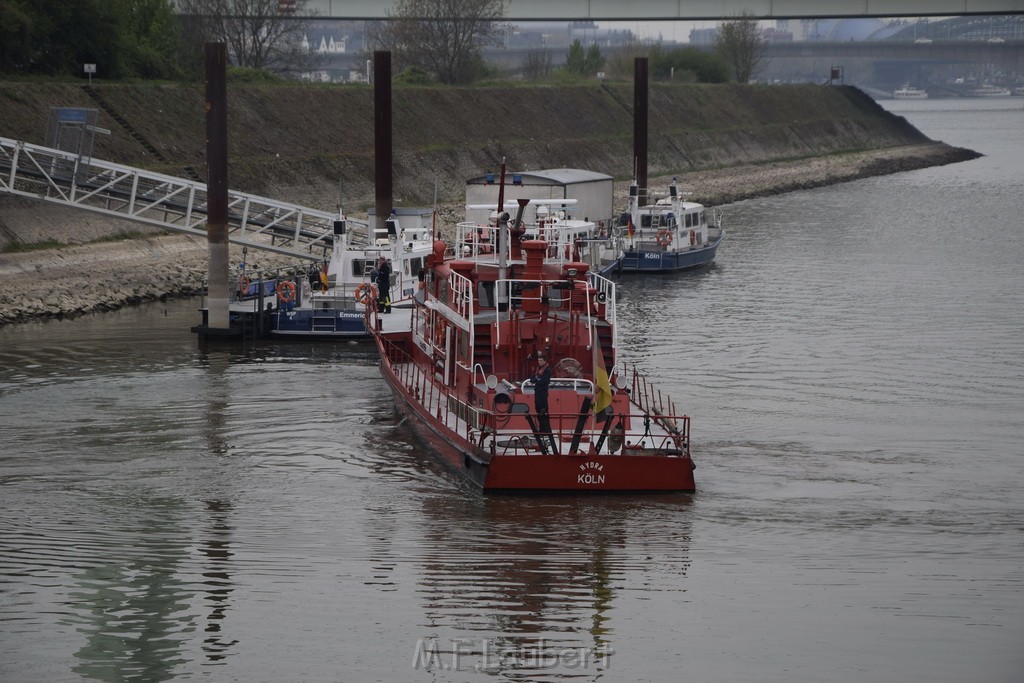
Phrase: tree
x=584 y=63
x=151 y=37
x=682 y=65
x=442 y=36
x=536 y=65
x=259 y=34
x=687 y=64
x=575 y=61
x=594 y=61
x=122 y=37
x=741 y=44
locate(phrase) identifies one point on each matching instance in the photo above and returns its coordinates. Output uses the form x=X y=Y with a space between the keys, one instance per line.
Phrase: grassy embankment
x=307 y=144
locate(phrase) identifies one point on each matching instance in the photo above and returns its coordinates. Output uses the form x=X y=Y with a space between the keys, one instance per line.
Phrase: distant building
x=703 y=36
x=328 y=44
x=777 y=35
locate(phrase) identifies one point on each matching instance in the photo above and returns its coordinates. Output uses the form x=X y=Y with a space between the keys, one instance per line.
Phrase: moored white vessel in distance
x=909 y=92
x=988 y=90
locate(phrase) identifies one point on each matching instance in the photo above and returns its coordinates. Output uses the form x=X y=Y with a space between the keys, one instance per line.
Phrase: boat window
x=645 y=220
x=361 y=267
x=485 y=294
x=415 y=266
x=689 y=220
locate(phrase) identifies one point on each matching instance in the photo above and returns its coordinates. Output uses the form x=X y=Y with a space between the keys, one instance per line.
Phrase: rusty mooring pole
x=640 y=126
x=382 y=137
x=217 y=187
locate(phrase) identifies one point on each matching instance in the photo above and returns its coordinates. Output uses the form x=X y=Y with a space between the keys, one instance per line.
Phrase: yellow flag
x=603 y=388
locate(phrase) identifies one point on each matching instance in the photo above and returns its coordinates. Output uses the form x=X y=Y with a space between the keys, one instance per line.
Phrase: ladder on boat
x=161 y=201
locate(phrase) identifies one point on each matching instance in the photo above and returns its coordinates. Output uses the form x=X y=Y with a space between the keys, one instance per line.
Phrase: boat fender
x=286 y=292
x=365 y=293
x=663 y=238
x=243 y=285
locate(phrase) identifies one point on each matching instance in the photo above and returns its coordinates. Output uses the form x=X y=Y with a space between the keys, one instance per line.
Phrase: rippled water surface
x=854 y=366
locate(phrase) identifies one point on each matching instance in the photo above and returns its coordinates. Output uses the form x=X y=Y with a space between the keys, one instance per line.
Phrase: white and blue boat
x=669 y=235
x=332 y=305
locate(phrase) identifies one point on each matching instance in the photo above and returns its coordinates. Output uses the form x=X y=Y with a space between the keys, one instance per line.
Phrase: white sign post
x=90 y=69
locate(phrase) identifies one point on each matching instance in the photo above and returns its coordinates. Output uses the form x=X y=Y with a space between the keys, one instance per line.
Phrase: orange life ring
x=286 y=292
x=366 y=293
x=693 y=237
x=243 y=285
x=663 y=238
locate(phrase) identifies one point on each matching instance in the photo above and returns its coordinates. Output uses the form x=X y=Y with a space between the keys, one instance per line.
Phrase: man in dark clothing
x=541 y=380
x=383 y=285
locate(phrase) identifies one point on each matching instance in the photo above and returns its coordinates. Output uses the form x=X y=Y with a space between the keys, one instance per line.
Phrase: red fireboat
x=506 y=367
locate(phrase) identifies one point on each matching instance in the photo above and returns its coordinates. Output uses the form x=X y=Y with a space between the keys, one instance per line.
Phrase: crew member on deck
x=541 y=380
x=383 y=285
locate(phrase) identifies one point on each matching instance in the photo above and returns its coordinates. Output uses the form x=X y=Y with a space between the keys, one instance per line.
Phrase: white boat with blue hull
x=669 y=235
x=333 y=306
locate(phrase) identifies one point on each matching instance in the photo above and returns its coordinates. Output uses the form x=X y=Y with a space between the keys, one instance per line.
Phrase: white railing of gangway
x=161 y=201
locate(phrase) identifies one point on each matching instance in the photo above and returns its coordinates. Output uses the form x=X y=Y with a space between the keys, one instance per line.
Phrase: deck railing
x=653 y=402
x=490 y=430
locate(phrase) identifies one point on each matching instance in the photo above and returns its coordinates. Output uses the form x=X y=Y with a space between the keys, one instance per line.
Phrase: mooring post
x=383 y=181
x=640 y=126
x=216 y=108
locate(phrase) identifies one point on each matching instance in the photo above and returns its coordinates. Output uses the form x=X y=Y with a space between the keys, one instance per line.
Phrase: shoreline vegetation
x=109 y=273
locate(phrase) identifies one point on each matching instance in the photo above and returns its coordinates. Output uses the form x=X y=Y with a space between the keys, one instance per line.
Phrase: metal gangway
x=162 y=201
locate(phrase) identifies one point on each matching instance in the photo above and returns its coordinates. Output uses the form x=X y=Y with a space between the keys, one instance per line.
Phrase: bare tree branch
x=261 y=34
x=442 y=36
x=740 y=42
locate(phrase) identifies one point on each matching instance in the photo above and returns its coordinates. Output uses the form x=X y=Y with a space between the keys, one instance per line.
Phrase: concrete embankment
x=310 y=144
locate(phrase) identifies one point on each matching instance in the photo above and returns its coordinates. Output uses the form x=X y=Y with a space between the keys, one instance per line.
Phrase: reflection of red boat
x=461 y=371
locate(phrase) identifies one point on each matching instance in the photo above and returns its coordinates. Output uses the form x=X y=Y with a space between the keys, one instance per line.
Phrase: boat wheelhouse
x=333 y=306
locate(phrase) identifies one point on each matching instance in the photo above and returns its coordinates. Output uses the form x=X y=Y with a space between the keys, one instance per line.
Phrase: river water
x=854 y=366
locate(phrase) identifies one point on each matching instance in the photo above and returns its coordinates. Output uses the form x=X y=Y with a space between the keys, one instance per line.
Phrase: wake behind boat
x=507 y=367
x=670 y=234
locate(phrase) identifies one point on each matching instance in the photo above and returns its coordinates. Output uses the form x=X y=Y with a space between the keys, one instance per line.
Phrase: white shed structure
x=592 y=192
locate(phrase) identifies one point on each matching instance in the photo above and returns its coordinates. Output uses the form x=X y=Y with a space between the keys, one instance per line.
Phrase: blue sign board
x=72 y=115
